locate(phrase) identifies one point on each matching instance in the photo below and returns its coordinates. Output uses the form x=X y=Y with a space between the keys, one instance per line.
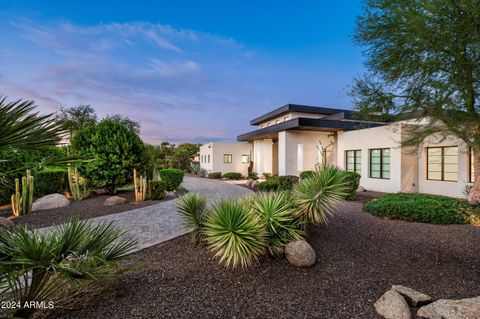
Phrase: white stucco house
x=294 y=138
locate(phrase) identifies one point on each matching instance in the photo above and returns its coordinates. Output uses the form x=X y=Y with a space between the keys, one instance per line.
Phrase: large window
x=245 y=159
x=442 y=163
x=208 y=161
x=227 y=158
x=353 y=161
x=380 y=163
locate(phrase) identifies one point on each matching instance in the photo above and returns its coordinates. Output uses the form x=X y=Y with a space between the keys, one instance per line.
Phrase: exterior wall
x=289 y=116
x=288 y=152
x=452 y=189
x=263 y=156
x=371 y=138
x=216 y=152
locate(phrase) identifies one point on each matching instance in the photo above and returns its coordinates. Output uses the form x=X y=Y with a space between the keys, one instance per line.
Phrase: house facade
x=294 y=138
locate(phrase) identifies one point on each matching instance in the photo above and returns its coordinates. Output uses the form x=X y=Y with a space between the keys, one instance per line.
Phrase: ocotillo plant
x=22 y=203
x=140 y=187
x=74 y=183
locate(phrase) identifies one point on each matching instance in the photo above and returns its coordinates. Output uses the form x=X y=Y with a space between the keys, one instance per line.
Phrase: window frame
x=382 y=149
x=354 y=160
x=442 y=164
x=228 y=156
x=248 y=158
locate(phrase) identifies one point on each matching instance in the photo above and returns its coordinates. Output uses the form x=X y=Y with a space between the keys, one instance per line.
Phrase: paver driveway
x=154 y=224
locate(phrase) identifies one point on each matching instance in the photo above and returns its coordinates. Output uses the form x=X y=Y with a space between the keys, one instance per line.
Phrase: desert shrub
x=421 y=208
x=232 y=175
x=268 y=185
x=287 y=182
x=58 y=265
x=194 y=168
x=215 y=175
x=316 y=197
x=50 y=181
x=276 y=212
x=253 y=176
x=466 y=190
x=202 y=172
x=353 y=180
x=267 y=175
x=306 y=174
x=234 y=233
x=116 y=149
x=193 y=210
x=156 y=189
x=173 y=178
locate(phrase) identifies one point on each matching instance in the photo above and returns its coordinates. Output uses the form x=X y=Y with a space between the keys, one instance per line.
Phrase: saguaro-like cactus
x=17 y=199
x=140 y=186
x=22 y=202
x=74 y=183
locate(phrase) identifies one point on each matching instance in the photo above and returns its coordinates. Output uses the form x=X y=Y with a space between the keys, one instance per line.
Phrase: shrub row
x=214 y=175
x=232 y=175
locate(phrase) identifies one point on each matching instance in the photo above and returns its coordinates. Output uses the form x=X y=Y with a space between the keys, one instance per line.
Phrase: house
x=294 y=138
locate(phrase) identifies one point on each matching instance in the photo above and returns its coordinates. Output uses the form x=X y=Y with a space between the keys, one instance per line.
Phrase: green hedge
x=215 y=175
x=353 y=179
x=286 y=183
x=156 y=189
x=268 y=185
x=172 y=177
x=232 y=175
x=420 y=208
x=306 y=174
x=51 y=181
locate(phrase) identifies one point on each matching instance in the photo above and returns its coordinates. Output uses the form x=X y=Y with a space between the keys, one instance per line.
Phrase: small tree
x=75 y=118
x=116 y=149
x=423 y=58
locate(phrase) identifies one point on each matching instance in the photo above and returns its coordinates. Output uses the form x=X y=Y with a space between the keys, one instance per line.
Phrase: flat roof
x=309 y=124
x=297 y=108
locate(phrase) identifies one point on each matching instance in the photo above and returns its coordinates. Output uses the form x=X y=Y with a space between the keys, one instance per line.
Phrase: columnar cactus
x=74 y=183
x=17 y=199
x=22 y=202
x=140 y=187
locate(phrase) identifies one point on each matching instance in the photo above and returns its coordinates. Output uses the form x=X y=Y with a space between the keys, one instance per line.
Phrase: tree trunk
x=474 y=196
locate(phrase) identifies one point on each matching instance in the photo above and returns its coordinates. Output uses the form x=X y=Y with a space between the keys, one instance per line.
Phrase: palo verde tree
x=423 y=58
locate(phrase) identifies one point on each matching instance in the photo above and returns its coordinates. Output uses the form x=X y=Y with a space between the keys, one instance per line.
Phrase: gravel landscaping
x=359 y=257
x=84 y=209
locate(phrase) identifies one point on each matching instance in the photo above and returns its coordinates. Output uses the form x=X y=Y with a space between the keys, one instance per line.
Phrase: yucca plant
x=193 y=210
x=234 y=233
x=317 y=196
x=41 y=266
x=276 y=213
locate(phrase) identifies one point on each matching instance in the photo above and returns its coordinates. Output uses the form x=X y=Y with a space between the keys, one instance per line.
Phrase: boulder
x=249 y=183
x=391 y=305
x=255 y=184
x=300 y=254
x=413 y=297
x=114 y=201
x=50 y=201
x=170 y=194
x=360 y=189
x=6 y=223
x=451 y=309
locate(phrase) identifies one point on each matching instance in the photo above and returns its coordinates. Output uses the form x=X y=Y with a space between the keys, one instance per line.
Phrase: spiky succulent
x=193 y=210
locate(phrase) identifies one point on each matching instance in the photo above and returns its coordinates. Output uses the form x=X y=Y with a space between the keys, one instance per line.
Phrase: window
x=472 y=166
x=208 y=161
x=299 y=157
x=442 y=163
x=269 y=124
x=201 y=158
x=245 y=159
x=227 y=158
x=353 y=161
x=286 y=118
x=380 y=163
x=277 y=121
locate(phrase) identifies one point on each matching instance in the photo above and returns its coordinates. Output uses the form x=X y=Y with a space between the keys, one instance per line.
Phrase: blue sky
x=186 y=70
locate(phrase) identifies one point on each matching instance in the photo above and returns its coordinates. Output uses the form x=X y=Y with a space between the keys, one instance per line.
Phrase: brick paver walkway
x=154 y=224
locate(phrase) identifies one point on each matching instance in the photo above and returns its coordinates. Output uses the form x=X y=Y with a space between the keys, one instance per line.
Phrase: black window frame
x=370 y=151
x=354 y=160
x=442 y=164
x=228 y=155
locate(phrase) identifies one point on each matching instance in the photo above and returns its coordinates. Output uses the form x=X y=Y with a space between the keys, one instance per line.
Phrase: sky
x=187 y=71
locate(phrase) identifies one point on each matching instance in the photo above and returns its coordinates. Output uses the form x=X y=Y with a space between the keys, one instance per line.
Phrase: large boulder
x=50 y=201
x=451 y=309
x=300 y=254
x=114 y=201
x=391 y=305
x=360 y=188
x=413 y=297
x=6 y=223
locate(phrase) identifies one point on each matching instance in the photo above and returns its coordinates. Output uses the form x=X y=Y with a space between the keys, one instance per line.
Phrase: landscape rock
x=255 y=184
x=300 y=254
x=413 y=297
x=101 y=191
x=391 y=305
x=451 y=309
x=50 y=201
x=170 y=194
x=6 y=223
x=114 y=201
x=360 y=189
x=249 y=183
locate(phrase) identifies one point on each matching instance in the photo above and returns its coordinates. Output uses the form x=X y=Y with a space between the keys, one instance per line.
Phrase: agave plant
x=39 y=266
x=193 y=210
x=316 y=197
x=234 y=233
x=276 y=212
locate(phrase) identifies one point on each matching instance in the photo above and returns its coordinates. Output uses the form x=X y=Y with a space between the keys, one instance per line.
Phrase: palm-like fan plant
x=193 y=210
x=317 y=196
x=234 y=233
x=276 y=212
x=22 y=128
x=39 y=266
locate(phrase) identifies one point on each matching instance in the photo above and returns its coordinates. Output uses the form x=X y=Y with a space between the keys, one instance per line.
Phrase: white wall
x=263 y=156
x=206 y=150
x=218 y=149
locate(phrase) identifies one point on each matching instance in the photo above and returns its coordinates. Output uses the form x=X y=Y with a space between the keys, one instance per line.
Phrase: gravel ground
x=84 y=209
x=359 y=257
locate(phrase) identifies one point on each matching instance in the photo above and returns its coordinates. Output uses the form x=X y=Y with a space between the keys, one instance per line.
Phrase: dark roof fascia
x=303 y=123
x=296 y=108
